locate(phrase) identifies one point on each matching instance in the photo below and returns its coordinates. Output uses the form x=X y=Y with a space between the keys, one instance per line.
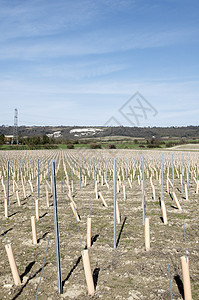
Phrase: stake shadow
x=174 y=206
x=13 y=214
x=179 y=284
x=6 y=232
x=119 y=236
x=30 y=278
x=94 y=239
x=43 y=215
x=27 y=269
x=95 y=276
x=72 y=270
x=161 y=218
x=43 y=236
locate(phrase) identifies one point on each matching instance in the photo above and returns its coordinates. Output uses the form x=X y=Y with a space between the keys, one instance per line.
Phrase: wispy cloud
x=96 y=42
x=88 y=57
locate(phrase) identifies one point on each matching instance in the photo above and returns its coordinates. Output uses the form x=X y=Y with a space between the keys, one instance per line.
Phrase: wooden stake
x=71 y=199
x=130 y=182
x=34 y=231
x=118 y=213
x=118 y=187
x=4 y=189
x=186 y=278
x=167 y=186
x=88 y=232
x=147 y=234
x=74 y=211
x=197 y=186
x=47 y=197
x=186 y=192
x=176 y=201
x=102 y=198
x=153 y=187
x=18 y=200
x=88 y=274
x=13 y=265
x=164 y=212
x=24 y=191
x=124 y=192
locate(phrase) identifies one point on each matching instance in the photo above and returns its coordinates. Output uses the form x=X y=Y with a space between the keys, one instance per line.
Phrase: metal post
x=193 y=167
x=126 y=170
x=33 y=171
x=143 y=200
x=48 y=172
x=173 y=172
x=94 y=171
x=15 y=171
x=182 y=174
x=170 y=282
x=106 y=168
x=188 y=172
x=60 y=287
x=61 y=178
x=7 y=182
x=38 y=179
x=115 y=191
x=79 y=175
x=162 y=179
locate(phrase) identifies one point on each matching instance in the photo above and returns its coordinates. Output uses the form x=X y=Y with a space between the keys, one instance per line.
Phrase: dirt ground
x=129 y=272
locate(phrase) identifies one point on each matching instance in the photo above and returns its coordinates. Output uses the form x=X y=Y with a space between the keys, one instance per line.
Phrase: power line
x=15 y=139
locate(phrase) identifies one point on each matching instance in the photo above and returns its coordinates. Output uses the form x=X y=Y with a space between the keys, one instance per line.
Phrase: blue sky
x=78 y=62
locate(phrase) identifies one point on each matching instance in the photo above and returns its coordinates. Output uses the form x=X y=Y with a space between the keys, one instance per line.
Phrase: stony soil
x=126 y=273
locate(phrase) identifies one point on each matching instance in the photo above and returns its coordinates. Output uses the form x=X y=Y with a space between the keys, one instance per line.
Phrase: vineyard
x=109 y=224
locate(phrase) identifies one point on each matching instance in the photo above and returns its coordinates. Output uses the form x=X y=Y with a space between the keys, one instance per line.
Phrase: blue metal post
x=60 y=287
x=61 y=177
x=143 y=200
x=173 y=173
x=182 y=160
x=170 y=282
x=38 y=179
x=80 y=185
x=162 y=171
x=94 y=171
x=7 y=182
x=115 y=191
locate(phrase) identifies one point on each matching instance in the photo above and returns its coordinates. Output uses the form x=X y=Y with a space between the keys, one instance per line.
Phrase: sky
x=97 y=62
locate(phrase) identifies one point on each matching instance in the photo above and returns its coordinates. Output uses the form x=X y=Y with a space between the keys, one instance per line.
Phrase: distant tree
x=45 y=139
x=70 y=146
x=36 y=140
x=95 y=146
x=75 y=142
x=111 y=146
x=2 y=139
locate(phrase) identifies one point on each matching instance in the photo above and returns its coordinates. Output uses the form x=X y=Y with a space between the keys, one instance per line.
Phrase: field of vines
x=42 y=257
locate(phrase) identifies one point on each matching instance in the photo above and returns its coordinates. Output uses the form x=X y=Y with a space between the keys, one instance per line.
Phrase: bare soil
x=129 y=272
